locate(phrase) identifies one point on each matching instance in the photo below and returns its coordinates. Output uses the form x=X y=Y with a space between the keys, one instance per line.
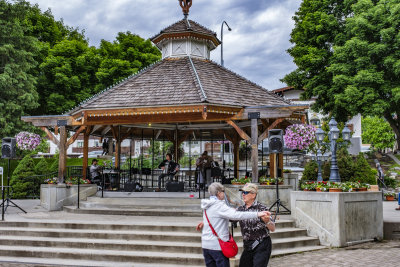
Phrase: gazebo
x=184 y=94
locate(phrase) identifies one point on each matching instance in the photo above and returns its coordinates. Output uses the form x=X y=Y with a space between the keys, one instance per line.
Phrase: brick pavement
x=385 y=253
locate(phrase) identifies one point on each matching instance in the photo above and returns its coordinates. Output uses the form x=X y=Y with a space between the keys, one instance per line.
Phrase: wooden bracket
x=204 y=113
x=73 y=138
x=51 y=136
x=239 y=131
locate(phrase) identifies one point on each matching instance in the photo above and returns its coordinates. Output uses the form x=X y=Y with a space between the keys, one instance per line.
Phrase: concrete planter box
x=339 y=219
x=266 y=193
x=54 y=197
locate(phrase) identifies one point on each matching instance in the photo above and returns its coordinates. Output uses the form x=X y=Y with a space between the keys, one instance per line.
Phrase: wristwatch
x=270 y=222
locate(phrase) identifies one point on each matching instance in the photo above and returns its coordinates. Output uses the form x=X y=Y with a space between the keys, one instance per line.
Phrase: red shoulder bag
x=229 y=248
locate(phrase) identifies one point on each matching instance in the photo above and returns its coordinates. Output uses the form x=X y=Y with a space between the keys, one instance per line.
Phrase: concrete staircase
x=160 y=233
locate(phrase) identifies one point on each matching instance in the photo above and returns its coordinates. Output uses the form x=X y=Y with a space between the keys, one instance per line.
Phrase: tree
x=347 y=56
x=42 y=167
x=17 y=85
x=377 y=132
x=126 y=55
x=20 y=185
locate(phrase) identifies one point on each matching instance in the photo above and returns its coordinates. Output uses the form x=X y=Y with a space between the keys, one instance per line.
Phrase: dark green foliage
x=18 y=183
x=391 y=182
x=18 y=94
x=363 y=171
x=346 y=165
x=377 y=132
x=54 y=165
x=42 y=167
x=310 y=171
x=326 y=170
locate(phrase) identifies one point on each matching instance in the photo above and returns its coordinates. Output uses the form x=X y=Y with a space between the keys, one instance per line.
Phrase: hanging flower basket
x=27 y=141
x=299 y=136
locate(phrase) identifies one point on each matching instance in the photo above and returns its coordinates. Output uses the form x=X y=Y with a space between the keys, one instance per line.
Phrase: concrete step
x=70 y=262
x=135 y=212
x=146 y=200
x=179 y=259
x=288 y=251
x=148 y=224
x=93 y=205
x=139 y=245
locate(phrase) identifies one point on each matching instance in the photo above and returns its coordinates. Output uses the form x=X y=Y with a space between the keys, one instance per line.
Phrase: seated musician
x=169 y=167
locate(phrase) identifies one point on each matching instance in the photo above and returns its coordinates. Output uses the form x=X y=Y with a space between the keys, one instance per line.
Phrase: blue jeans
x=215 y=258
x=398 y=199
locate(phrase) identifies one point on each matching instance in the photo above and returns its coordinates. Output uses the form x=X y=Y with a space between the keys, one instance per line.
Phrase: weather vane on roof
x=185 y=5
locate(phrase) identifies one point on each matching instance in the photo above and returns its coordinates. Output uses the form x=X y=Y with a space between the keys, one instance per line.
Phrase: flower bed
x=326 y=186
x=240 y=181
x=270 y=181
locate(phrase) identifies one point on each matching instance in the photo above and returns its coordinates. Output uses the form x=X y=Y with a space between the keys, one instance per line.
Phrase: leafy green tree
x=68 y=75
x=123 y=57
x=17 y=85
x=377 y=132
x=347 y=56
x=363 y=171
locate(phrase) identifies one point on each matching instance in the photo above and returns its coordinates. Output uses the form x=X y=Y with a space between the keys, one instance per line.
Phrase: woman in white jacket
x=219 y=215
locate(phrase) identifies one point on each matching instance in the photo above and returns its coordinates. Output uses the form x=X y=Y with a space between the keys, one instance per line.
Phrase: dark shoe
x=397 y=208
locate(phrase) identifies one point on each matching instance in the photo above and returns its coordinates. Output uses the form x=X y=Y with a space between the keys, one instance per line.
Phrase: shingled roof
x=185 y=25
x=173 y=81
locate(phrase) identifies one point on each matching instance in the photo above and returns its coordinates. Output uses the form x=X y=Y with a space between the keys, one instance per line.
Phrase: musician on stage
x=169 y=167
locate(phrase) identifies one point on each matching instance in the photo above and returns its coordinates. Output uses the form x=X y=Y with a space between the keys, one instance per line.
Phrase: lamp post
x=222 y=40
x=333 y=137
x=319 y=158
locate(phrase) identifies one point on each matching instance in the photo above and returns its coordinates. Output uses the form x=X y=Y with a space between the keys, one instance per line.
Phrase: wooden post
x=85 y=154
x=254 y=150
x=110 y=146
x=236 y=158
x=62 y=162
x=176 y=144
x=272 y=165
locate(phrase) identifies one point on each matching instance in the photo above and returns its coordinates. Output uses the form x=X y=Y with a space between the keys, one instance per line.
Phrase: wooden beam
x=265 y=123
x=85 y=154
x=39 y=121
x=106 y=130
x=238 y=130
x=114 y=132
x=73 y=138
x=51 y=136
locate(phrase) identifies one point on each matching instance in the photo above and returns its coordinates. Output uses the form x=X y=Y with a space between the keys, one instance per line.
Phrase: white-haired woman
x=219 y=214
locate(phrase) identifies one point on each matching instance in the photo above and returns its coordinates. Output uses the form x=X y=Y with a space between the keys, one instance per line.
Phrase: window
x=80 y=144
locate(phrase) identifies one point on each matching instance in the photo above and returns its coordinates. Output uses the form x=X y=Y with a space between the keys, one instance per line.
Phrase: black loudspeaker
x=275 y=138
x=8 y=148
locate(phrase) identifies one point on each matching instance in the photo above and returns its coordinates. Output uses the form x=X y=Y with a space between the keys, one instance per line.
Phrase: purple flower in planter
x=27 y=141
x=299 y=136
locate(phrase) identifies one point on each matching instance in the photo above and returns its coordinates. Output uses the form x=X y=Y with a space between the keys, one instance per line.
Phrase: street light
x=333 y=137
x=222 y=40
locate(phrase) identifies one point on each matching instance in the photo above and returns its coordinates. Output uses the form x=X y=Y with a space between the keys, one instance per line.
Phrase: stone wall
x=339 y=219
x=54 y=197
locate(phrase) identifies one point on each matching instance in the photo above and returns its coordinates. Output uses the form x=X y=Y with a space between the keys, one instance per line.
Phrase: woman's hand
x=200 y=226
x=263 y=213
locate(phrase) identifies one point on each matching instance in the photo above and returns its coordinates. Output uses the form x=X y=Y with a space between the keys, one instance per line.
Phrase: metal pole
x=318 y=157
x=222 y=42
x=334 y=176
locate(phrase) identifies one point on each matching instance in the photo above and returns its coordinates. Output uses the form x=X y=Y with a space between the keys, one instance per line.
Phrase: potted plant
x=321 y=186
x=241 y=181
x=264 y=180
x=51 y=180
x=74 y=180
x=390 y=196
x=286 y=173
x=335 y=187
x=308 y=186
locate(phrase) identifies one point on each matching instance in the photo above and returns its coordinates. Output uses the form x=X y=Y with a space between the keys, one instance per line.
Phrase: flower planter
x=264 y=184
x=389 y=198
x=237 y=184
x=308 y=190
x=335 y=190
x=318 y=190
x=362 y=189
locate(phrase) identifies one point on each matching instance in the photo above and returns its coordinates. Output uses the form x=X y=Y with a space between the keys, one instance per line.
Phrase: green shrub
x=391 y=182
x=54 y=166
x=42 y=167
x=346 y=165
x=20 y=186
x=363 y=171
x=310 y=171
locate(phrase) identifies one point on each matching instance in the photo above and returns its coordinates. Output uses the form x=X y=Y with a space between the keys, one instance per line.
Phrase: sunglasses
x=246 y=192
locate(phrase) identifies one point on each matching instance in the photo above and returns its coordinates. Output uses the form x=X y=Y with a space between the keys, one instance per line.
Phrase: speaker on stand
x=8 y=151
x=276 y=144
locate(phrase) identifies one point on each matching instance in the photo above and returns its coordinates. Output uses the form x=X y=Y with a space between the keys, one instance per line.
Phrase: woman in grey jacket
x=219 y=215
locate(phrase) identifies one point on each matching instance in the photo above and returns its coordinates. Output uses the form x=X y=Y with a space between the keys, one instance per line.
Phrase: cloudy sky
x=255 y=48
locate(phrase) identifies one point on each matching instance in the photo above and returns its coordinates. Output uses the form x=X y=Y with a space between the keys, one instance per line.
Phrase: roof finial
x=185 y=5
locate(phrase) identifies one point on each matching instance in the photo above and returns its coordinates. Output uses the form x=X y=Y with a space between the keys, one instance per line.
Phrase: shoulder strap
x=212 y=229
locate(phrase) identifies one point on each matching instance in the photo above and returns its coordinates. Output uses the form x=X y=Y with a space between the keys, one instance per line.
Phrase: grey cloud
x=255 y=48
